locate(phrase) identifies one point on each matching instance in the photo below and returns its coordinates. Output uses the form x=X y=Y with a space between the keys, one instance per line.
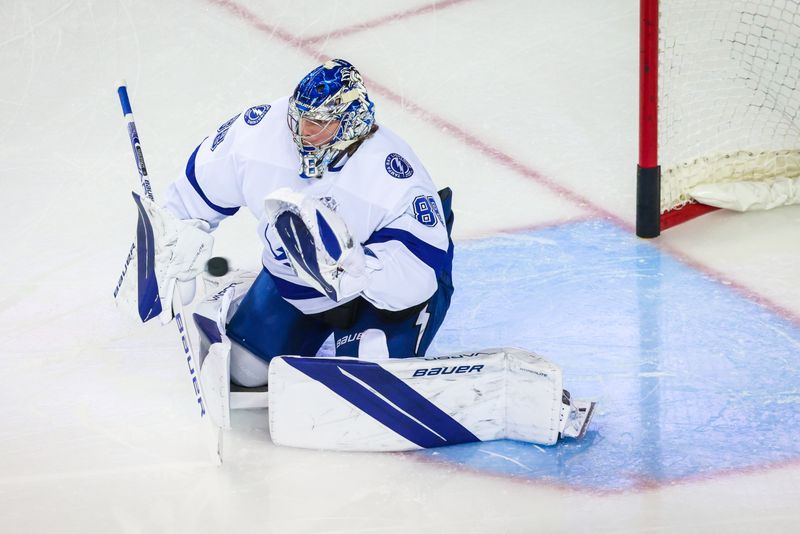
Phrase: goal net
x=728 y=104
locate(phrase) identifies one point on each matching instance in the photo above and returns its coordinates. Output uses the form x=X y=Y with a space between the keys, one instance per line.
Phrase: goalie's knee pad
x=224 y=294
x=247 y=369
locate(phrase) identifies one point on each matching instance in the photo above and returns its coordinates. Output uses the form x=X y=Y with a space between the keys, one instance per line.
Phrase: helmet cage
x=331 y=92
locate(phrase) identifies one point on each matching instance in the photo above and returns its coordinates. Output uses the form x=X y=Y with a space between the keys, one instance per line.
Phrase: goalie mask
x=332 y=103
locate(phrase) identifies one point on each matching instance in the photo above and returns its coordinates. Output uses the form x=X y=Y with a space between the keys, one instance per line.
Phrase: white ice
x=528 y=109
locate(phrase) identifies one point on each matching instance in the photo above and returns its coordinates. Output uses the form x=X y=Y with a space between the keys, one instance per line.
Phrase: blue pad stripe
x=149 y=303
x=417 y=419
x=208 y=328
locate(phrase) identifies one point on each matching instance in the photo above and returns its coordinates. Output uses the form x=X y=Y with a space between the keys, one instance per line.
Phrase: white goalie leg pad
x=224 y=294
x=534 y=393
x=211 y=315
x=215 y=380
x=221 y=394
x=412 y=403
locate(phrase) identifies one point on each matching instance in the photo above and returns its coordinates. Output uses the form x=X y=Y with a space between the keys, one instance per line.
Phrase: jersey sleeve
x=414 y=250
x=211 y=186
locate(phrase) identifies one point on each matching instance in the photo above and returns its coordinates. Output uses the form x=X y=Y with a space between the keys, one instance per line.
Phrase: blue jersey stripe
x=436 y=258
x=190 y=175
x=418 y=420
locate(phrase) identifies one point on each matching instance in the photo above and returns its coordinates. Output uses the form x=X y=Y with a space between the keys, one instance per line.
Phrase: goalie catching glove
x=319 y=245
x=168 y=251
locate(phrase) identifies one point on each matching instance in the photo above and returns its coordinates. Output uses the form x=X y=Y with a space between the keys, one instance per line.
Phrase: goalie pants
x=268 y=326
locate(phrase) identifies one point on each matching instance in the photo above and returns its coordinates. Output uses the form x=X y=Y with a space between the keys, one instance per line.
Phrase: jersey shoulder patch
x=254 y=115
x=397 y=166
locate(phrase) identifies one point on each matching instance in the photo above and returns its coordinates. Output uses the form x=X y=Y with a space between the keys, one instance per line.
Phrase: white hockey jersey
x=383 y=193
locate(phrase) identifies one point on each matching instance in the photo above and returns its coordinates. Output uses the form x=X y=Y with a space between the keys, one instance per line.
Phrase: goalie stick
x=144 y=180
x=151 y=306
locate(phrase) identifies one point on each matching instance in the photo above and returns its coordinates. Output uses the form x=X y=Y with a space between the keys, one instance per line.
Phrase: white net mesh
x=729 y=105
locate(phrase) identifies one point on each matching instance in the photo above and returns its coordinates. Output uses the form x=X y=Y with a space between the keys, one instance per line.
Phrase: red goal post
x=719 y=108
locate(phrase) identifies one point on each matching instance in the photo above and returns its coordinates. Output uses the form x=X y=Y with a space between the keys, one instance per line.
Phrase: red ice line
x=498 y=155
x=642 y=484
x=363 y=26
x=305 y=45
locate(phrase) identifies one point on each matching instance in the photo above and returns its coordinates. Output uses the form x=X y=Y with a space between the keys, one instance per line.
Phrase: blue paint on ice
x=692 y=379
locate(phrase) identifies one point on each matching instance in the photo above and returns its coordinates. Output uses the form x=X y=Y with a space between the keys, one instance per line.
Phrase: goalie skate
x=575 y=416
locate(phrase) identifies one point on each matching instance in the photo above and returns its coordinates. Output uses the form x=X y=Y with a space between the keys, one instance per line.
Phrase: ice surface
x=691 y=343
x=690 y=377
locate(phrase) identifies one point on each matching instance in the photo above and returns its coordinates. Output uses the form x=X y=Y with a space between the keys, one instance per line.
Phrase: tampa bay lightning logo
x=398 y=167
x=254 y=115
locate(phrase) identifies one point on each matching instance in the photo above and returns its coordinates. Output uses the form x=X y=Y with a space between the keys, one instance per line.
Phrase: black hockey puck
x=217 y=266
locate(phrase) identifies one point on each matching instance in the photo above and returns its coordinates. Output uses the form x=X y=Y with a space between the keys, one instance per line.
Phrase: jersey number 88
x=426 y=211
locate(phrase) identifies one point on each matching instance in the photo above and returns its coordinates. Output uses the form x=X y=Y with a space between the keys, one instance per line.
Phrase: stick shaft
x=138 y=156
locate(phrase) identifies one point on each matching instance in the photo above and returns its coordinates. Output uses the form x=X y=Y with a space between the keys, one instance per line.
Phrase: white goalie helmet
x=334 y=98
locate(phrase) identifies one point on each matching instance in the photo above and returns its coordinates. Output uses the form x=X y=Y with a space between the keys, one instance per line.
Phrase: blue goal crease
x=691 y=378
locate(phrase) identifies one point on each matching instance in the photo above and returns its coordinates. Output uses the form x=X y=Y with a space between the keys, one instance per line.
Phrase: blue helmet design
x=333 y=92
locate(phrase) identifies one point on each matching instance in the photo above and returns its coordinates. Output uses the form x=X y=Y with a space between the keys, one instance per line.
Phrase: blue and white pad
x=167 y=251
x=223 y=296
x=317 y=243
x=405 y=404
x=217 y=353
